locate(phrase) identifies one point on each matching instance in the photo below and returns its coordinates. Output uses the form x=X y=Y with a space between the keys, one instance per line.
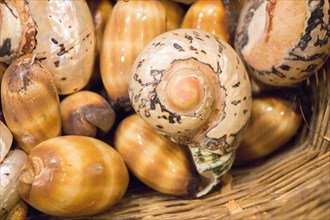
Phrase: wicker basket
x=293 y=183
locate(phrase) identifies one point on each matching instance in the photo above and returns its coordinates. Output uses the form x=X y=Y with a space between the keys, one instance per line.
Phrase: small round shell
x=193 y=88
x=84 y=112
x=284 y=42
x=73 y=176
x=30 y=102
x=159 y=163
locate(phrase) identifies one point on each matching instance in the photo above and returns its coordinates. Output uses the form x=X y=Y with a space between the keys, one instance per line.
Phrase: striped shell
x=193 y=88
x=284 y=42
x=73 y=176
x=130 y=27
x=159 y=163
x=30 y=102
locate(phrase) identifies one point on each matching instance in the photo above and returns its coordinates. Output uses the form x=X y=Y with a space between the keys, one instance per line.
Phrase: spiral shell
x=18 y=30
x=30 y=102
x=73 y=176
x=159 y=163
x=192 y=88
x=131 y=26
x=284 y=42
x=274 y=121
x=210 y=16
x=84 y=112
x=10 y=170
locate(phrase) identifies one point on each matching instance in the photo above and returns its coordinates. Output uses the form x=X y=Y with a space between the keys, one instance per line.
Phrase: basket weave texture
x=293 y=183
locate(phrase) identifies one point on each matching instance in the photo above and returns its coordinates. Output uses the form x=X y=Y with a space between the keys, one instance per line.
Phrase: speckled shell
x=161 y=164
x=10 y=170
x=217 y=121
x=18 y=30
x=30 y=102
x=284 y=42
x=65 y=41
x=274 y=121
x=73 y=176
x=174 y=14
x=208 y=15
x=131 y=26
x=84 y=112
x=6 y=139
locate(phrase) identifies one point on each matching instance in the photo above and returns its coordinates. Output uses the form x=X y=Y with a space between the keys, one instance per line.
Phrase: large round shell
x=193 y=88
x=284 y=42
x=30 y=102
x=73 y=176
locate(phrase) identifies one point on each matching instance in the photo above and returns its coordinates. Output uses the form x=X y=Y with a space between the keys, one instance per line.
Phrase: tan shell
x=18 y=30
x=274 y=121
x=210 y=16
x=159 y=163
x=20 y=211
x=131 y=26
x=6 y=139
x=84 y=112
x=30 y=102
x=73 y=176
x=284 y=42
x=174 y=14
x=193 y=88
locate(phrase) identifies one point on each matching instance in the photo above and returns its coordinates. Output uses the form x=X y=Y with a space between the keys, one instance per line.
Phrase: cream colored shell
x=217 y=118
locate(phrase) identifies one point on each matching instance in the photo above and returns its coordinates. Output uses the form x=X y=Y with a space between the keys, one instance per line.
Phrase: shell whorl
x=192 y=88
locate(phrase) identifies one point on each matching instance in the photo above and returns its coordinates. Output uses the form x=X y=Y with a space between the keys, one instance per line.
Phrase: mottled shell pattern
x=284 y=42
x=193 y=88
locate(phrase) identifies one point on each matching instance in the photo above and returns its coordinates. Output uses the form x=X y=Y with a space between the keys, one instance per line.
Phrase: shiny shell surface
x=73 y=176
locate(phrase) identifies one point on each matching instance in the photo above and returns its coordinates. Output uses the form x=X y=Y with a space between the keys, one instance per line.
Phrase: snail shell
x=10 y=170
x=210 y=16
x=161 y=164
x=6 y=139
x=274 y=121
x=174 y=14
x=130 y=27
x=284 y=51
x=84 y=112
x=73 y=176
x=192 y=87
x=20 y=211
x=18 y=30
x=30 y=102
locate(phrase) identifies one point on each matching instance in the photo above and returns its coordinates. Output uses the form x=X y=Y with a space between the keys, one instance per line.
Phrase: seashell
x=18 y=30
x=210 y=16
x=174 y=14
x=192 y=88
x=72 y=176
x=101 y=11
x=20 y=211
x=30 y=102
x=159 y=163
x=274 y=121
x=84 y=112
x=284 y=51
x=65 y=43
x=6 y=139
x=131 y=26
x=10 y=170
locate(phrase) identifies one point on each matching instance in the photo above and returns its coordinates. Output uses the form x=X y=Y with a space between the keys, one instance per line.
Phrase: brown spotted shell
x=193 y=88
x=284 y=42
x=131 y=26
x=73 y=176
x=161 y=164
x=30 y=102
x=210 y=16
x=86 y=113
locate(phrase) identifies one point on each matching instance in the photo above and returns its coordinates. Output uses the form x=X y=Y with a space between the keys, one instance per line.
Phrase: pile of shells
x=172 y=92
